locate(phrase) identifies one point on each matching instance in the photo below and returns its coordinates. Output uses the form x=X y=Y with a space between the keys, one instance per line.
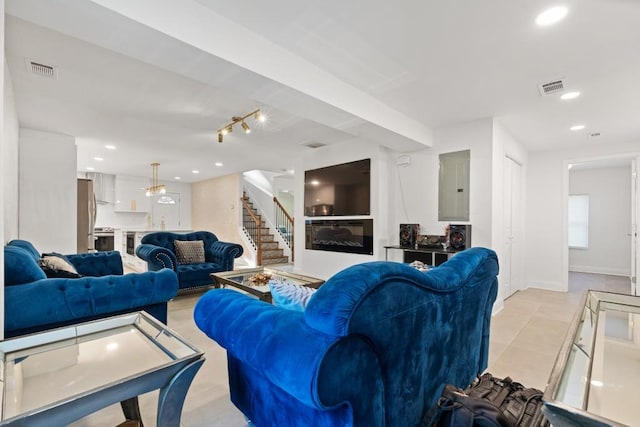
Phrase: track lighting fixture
x=228 y=128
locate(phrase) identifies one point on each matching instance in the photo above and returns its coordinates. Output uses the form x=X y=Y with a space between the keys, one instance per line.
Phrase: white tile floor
x=525 y=338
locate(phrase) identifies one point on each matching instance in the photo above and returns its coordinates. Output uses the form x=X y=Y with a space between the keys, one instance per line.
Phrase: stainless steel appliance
x=86 y=216
x=104 y=239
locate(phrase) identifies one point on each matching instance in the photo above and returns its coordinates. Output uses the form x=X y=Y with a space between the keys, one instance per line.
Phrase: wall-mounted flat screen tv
x=338 y=190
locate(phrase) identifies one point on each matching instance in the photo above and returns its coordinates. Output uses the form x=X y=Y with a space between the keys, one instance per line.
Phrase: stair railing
x=283 y=223
x=253 y=227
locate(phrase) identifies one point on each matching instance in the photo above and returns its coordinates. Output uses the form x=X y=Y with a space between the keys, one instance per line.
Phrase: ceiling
x=157 y=78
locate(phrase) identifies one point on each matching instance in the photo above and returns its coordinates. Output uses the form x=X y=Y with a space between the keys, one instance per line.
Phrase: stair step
x=275 y=260
x=271 y=253
x=269 y=245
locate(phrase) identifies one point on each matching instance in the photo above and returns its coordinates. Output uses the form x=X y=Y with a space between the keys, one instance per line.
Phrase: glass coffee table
x=595 y=378
x=249 y=281
x=55 y=377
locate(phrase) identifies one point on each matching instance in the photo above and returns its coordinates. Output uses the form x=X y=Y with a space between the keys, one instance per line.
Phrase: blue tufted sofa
x=157 y=249
x=374 y=347
x=35 y=303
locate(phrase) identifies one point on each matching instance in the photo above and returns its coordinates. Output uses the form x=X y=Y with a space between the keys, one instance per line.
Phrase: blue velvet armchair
x=374 y=347
x=34 y=302
x=157 y=249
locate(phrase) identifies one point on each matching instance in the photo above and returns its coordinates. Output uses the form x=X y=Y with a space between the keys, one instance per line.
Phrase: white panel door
x=511 y=262
x=635 y=212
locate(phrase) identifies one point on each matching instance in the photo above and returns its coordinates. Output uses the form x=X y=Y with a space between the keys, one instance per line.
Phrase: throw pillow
x=57 y=266
x=289 y=295
x=189 y=252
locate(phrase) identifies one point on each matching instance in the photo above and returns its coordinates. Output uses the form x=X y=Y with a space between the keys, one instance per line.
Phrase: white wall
x=324 y=264
x=5 y=172
x=546 y=262
x=48 y=191
x=9 y=156
x=609 y=191
x=415 y=186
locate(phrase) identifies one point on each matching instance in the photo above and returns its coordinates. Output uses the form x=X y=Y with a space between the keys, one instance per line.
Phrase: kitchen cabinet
x=130 y=194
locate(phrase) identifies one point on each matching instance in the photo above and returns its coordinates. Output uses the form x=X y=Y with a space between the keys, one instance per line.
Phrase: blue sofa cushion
x=289 y=295
x=57 y=265
x=190 y=275
x=20 y=266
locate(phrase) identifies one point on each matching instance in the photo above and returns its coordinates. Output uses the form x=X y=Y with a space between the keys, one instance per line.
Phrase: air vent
x=314 y=144
x=552 y=88
x=42 y=70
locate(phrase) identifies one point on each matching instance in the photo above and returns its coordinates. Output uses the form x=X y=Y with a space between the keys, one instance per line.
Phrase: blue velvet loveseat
x=374 y=346
x=35 y=302
x=159 y=251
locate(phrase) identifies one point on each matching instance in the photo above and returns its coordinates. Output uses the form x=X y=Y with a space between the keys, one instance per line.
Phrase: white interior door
x=166 y=211
x=635 y=212
x=511 y=262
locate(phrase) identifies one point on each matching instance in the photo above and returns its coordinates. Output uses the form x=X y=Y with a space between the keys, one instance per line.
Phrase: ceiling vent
x=314 y=144
x=42 y=70
x=552 y=88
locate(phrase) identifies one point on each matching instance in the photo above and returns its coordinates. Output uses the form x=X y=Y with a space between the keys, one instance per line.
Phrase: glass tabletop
x=47 y=368
x=597 y=370
x=248 y=278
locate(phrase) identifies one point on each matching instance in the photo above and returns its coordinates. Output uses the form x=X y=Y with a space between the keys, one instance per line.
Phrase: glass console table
x=595 y=378
x=55 y=377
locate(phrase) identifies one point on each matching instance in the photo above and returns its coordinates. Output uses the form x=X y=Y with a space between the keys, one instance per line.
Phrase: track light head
x=228 y=128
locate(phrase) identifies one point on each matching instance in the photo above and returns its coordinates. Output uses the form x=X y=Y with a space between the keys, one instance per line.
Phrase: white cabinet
x=130 y=194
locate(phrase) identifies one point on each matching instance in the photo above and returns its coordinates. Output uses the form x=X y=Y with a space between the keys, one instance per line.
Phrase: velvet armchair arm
x=157 y=257
x=55 y=302
x=304 y=362
x=223 y=253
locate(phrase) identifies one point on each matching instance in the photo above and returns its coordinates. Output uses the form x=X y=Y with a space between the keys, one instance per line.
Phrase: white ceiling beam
x=198 y=26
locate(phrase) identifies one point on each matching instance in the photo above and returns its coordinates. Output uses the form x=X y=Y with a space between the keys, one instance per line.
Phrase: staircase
x=268 y=249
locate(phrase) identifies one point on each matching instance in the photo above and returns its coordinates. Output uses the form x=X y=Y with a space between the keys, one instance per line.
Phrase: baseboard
x=600 y=270
x=548 y=286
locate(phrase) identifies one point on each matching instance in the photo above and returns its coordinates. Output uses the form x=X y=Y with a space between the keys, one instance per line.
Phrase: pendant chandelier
x=155 y=188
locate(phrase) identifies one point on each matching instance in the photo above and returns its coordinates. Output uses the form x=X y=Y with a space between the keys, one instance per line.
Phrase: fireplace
x=353 y=236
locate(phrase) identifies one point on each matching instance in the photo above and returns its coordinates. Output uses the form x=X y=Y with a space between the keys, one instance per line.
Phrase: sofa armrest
x=54 y=301
x=279 y=344
x=223 y=253
x=97 y=263
x=157 y=257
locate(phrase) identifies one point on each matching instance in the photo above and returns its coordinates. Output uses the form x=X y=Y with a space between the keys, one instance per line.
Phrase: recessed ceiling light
x=570 y=95
x=218 y=164
x=577 y=127
x=195 y=171
x=177 y=178
x=110 y=147
x=98 y=159
x=90 y=168
x=551 y=16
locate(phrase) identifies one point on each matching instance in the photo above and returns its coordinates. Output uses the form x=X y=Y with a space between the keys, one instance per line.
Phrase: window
x=579 y=221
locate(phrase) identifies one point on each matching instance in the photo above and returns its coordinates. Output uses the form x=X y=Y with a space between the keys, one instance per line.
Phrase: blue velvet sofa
x=157 y=249
x=35 y=303
x=374 y=347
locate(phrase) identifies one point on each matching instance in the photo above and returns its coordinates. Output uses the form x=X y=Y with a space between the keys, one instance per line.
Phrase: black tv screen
x=338 y=190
